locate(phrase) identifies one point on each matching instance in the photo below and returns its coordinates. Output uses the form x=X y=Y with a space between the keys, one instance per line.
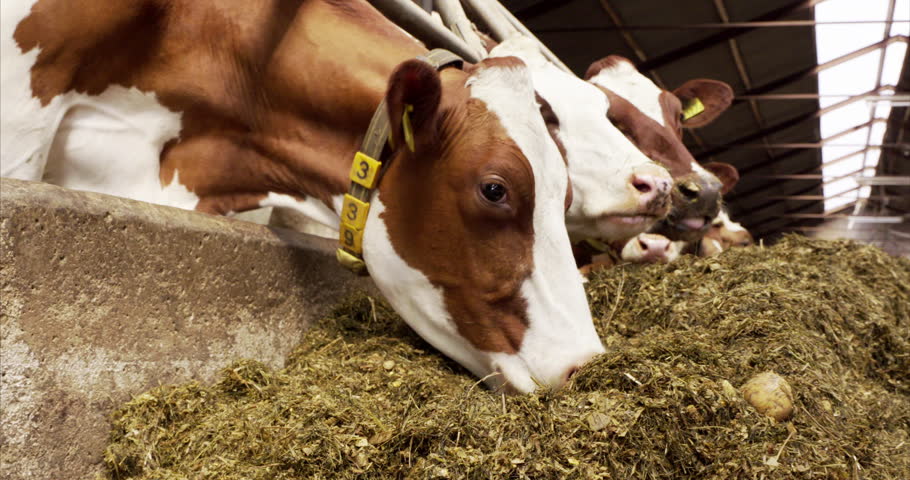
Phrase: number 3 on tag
x=354 y=212
x=364 y=170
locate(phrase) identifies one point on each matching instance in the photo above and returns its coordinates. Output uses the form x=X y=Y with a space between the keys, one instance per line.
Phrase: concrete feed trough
x=104 y=297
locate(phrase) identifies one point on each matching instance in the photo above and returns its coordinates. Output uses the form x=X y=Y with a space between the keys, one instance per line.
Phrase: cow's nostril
x=571 y=373
x=643 y=244
x=642 y=184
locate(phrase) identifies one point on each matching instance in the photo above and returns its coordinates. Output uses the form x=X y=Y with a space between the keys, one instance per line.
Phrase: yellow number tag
x=364 y=170
x=351 y=238
x=354 y=212
x=351 y=262
x=692 y=108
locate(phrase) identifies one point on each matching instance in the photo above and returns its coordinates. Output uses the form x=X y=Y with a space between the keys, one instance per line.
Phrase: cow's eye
x=494 y=192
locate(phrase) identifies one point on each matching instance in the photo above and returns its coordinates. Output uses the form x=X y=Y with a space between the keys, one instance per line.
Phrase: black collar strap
x=367 y=170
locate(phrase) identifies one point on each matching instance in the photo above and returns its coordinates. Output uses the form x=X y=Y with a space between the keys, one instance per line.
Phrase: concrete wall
x=102 y=297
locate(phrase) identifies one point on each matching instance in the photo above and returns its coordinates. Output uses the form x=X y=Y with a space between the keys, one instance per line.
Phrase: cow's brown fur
x=276 y=95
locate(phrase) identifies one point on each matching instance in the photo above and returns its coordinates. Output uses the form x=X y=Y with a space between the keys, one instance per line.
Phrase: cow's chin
x=613 y=228
x=689 y=229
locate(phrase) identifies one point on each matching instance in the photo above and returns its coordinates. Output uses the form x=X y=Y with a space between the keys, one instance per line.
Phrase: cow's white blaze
x=627 y=82
x=560 y=333
x=601 y=159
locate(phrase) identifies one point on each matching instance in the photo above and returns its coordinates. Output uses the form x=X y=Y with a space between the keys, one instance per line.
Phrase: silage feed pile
x=363 y=397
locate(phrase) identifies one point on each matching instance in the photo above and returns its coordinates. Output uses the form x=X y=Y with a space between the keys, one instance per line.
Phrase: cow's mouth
x=691 y=224
x=631 y=219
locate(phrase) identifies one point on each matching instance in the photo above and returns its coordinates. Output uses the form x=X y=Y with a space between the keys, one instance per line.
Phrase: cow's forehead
x=624 y=80
x=505 y=86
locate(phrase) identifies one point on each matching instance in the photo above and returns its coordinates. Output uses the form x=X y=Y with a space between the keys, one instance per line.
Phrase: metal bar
x=855 y=218
x=727 y=34
x=884 y=180
x=419 y=23
x=743 y=75
x=776 y=216
x=456 y=20
x=489 y=16
x=761 y=226
x=861 y=203
x=816 y=96
x=640 y=53
x=712 y=26
x=763 y=188
x=805 y=198
x=802 y=176
x=808 y=72
x=627 y=37
x=524 y=30
x=812 y=145
x=777 y=127
x=538 y=8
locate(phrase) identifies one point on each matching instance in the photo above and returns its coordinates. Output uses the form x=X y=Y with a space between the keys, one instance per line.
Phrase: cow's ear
x=726 y=173
x=703 y=100
x=612 y=61
x=412 y=101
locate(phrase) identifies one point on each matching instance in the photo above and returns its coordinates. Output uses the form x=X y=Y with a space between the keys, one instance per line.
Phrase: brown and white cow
x=652 y=119
x=232 y=105
x=617 y=191
x=723 y=235
x=643 y=248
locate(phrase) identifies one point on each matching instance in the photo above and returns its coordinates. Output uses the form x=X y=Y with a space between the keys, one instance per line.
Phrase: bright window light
x=855 y=77
x=901 y=9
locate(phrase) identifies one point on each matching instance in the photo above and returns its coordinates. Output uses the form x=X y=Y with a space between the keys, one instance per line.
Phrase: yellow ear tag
x=406 y=126
x=692 y=108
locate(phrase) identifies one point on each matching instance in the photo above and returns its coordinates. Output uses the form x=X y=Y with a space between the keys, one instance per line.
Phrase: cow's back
x=70 y=116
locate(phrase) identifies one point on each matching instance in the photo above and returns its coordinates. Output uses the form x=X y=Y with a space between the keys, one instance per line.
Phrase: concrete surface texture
x=102 y=298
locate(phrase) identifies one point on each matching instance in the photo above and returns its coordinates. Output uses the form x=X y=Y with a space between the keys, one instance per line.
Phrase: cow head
x=617 y=192
x=723 y=234
x=466 y=236
x=653 y=118
x=649 y=248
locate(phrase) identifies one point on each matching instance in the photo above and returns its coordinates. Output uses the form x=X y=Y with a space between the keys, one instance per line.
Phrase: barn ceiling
x=767 y=52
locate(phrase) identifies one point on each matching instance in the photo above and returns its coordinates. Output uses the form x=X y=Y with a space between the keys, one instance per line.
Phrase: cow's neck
x=324 y=80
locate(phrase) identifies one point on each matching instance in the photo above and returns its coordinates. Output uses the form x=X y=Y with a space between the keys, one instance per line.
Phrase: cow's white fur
x=561 y=332
x=601 y=159
x=724 y=220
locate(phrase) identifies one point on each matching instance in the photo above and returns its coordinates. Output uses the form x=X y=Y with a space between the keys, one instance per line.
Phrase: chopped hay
x=363 y=397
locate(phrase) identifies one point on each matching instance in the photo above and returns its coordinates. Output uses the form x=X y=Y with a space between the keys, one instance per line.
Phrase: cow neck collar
x=367 y=170
x=601 y=247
